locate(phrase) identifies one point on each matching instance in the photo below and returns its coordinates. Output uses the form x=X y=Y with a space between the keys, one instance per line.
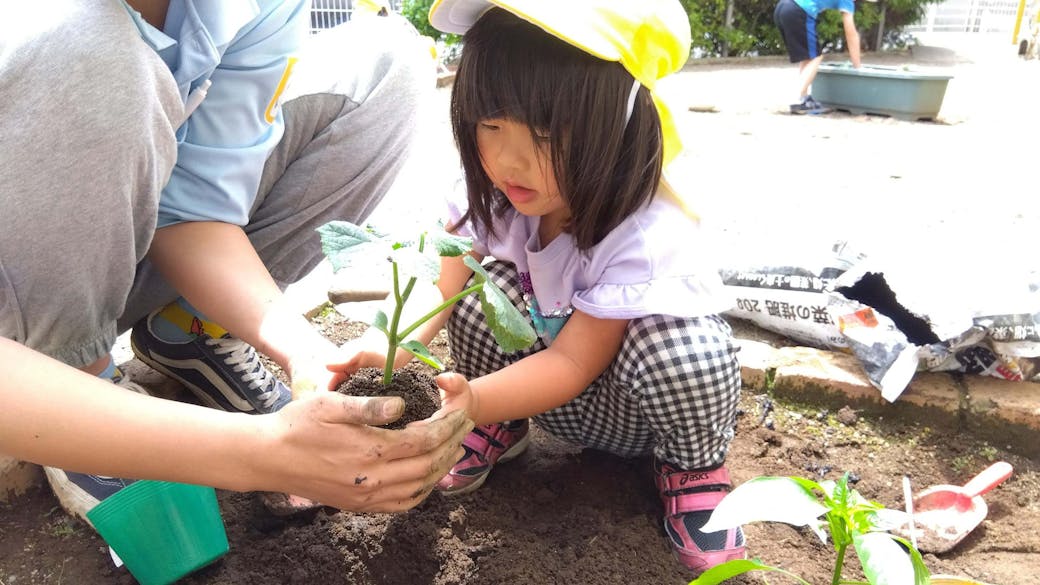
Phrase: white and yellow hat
x=650 y=38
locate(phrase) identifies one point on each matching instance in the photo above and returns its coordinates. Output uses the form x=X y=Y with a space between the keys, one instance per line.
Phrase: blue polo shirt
x=814 y=7
x=242 y=47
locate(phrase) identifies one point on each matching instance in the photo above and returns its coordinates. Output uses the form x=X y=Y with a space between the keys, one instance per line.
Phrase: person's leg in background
x=88 y=143
x=351 y=112
x=798 y=31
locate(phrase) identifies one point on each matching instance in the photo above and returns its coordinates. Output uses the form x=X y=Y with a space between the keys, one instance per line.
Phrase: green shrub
x=418 y=13
x=752 y=33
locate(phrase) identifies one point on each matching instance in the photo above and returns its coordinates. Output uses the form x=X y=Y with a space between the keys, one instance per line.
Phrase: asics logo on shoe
x=688 y=477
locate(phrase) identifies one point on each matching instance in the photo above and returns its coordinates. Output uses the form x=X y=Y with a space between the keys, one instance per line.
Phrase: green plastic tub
x=162 y=530
x=872 y=89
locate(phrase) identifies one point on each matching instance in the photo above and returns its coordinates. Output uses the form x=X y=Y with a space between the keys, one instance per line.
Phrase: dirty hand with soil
x=341 y=459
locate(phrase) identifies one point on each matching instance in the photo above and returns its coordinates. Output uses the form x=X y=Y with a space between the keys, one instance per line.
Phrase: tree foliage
x=753 y=32
x=418 y=13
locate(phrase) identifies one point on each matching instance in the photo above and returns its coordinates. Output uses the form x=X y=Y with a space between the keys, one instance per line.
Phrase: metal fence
x=329 y=13
x=969 y=16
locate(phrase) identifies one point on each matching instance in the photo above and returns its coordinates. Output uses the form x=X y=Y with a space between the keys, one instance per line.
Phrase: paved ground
x=953 y=197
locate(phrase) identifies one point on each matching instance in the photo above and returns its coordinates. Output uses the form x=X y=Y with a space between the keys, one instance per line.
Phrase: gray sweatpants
x=87 y=121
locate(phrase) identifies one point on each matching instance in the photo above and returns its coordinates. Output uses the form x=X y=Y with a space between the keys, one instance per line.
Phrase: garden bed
x=560 y=514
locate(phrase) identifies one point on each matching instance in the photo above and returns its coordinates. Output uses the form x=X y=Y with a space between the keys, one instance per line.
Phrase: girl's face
x=520 y=166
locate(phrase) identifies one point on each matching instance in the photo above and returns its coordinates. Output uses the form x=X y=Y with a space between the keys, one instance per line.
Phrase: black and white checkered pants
x=672 y=390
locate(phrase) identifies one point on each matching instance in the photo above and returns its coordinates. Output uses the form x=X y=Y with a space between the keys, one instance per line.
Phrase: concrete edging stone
x=1003 y=412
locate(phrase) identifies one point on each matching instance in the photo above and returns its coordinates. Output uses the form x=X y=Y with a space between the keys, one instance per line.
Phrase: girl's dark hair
x=606 y=169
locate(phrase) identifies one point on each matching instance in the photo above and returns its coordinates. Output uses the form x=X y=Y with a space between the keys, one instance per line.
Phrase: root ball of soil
x=419 y=391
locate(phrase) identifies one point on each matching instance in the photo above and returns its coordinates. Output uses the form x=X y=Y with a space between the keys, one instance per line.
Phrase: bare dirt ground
x=959 y=191
x=561 y=514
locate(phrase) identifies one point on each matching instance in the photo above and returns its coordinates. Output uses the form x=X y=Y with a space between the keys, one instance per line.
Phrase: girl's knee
x=670 y=342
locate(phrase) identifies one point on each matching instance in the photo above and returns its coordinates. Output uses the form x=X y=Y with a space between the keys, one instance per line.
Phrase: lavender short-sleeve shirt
x=654 y=262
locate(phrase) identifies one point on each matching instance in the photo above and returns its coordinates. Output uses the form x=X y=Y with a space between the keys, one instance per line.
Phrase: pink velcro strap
x=498 y=432
x=477 y=442
x=676 y=481
x=695 y=502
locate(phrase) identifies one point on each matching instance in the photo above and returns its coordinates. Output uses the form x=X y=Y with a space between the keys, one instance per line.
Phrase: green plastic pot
x=162 y=530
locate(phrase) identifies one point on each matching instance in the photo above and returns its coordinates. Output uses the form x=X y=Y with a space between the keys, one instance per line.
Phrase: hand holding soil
x=410 y=260
x=382 y=471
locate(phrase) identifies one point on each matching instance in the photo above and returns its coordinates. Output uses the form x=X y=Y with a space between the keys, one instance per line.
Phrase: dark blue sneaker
x=224 y=372
x=78 y=493
x=809 y=106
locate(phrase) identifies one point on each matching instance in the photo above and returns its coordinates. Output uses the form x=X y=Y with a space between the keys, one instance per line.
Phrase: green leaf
x=448 y=244
x=380 y=321
x=411 y=263
x=730 y=569
x=479 y=274
x=343 y=243
x=421 y=352
x=767 y=499
x=921 y=574
x=884 y=561
x=508 y=325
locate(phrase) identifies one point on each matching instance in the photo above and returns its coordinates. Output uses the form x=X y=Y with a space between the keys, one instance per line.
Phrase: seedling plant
x=346 y=244
x=850 y=519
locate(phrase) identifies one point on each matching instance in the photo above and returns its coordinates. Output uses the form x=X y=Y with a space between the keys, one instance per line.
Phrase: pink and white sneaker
x=689 y=498
x=485 y=445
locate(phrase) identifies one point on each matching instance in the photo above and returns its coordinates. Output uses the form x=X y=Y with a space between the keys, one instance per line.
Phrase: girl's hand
x=456 y=394
x=322 y=447
x=362 y=352
x=308 y=370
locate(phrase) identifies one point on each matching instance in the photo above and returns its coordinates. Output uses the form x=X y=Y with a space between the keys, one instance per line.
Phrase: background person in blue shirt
x=796 y=20
x=165 y=164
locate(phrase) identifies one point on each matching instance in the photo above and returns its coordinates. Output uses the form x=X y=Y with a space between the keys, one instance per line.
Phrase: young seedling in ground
x=848 y=517
x=347 y=244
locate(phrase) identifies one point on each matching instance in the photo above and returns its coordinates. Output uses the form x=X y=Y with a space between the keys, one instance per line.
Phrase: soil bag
x=897 y=316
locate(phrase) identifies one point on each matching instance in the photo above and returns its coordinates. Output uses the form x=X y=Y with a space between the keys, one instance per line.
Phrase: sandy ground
x=960 y=189
x=952 y=200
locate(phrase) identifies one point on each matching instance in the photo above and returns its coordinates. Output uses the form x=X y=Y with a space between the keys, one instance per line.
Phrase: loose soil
x=563 y=514
x=412 y=383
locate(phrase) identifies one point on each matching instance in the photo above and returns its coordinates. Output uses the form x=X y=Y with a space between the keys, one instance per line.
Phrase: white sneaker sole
x=73 y=499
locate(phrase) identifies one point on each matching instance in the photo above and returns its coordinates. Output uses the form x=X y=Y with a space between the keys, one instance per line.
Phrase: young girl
x=563 y=143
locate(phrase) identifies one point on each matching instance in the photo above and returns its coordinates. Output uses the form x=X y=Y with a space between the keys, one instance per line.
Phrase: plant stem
x=441 y=307
x=400 y=298
x=836 y=580
x=392 y=338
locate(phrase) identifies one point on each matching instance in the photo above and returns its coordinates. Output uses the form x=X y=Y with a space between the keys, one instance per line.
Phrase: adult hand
x=323 y=447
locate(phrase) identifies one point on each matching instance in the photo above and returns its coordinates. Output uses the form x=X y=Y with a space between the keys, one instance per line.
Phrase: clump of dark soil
x=415 y=386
